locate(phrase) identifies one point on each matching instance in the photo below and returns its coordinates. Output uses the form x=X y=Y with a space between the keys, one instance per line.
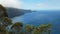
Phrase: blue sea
x=41 y=17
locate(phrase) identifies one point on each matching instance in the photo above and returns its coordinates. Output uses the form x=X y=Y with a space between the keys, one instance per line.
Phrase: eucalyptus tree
x=11 y=32
x=36 y=31
x=22 y=32
x=45 y=28
x=17 y=27
x=49 y=28
x=7 y=21
x=2 y=29
x=29 y=29
x=41 y=29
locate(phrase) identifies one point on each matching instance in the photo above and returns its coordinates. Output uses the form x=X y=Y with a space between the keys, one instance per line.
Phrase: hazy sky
x=32 y=4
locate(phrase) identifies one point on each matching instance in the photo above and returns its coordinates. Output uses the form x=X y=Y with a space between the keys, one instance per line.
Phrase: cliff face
x=12 y=12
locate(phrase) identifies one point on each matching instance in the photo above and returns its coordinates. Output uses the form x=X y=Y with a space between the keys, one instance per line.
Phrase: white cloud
x=12 y=3
x=42 y=5
x=46 y=6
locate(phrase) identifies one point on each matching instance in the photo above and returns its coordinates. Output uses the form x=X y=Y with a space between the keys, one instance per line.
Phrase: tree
x=7 y=21
x=36 y=31
x=17 y=27
x=41 y=29
x=29 y=28
x=22 y=32
x=2 y=29
x=45 y=28
x=49 y=27
x=11 y=32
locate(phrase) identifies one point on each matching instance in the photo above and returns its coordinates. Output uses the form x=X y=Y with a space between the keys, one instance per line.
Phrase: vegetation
x=18 y=27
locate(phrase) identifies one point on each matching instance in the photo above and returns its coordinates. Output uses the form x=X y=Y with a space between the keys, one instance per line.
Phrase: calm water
x=36 y=18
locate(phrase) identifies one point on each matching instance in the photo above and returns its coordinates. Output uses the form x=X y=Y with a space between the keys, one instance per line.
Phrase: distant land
x=12 y=12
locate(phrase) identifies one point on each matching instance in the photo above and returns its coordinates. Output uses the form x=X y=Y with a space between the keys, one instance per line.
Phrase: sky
x=32 y=4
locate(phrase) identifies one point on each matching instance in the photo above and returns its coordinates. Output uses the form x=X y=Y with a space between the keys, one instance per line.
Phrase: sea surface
x=41 y=17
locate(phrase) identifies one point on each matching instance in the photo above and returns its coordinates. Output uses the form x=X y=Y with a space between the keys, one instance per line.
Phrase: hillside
x=12 y=12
